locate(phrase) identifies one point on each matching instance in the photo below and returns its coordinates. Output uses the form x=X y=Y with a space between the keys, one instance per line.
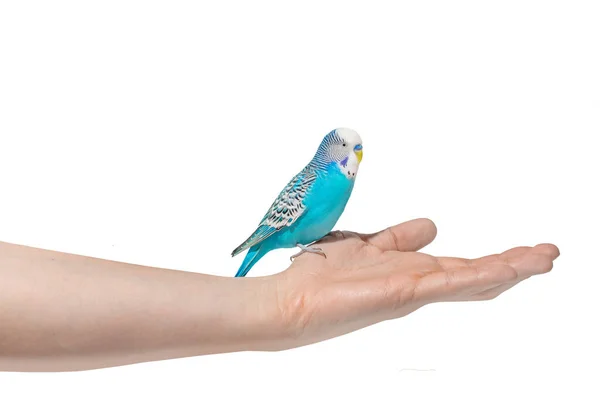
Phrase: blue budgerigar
x=310 y=205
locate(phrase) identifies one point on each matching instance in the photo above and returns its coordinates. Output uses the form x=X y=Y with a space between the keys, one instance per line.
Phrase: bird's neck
x=322 y=159
x=331 y=169
x=322 y=165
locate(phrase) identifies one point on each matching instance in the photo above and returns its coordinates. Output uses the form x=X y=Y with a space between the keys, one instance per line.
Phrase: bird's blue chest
x=325 y=203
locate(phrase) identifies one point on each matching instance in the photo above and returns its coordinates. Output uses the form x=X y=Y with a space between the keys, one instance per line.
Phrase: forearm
x=65 y=312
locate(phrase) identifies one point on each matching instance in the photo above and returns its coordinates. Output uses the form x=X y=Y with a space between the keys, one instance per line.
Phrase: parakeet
x=310 y=205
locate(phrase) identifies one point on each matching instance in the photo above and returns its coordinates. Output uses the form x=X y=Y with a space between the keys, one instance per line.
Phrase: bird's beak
x=359 y=153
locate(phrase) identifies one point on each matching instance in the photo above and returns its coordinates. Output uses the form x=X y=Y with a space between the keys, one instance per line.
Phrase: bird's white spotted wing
x=284 y=211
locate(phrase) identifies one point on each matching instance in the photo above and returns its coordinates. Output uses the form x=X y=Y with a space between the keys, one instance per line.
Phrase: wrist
x=283 y=312
x=262 y=314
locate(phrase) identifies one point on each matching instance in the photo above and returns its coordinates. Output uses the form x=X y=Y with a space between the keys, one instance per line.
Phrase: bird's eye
x=344 y=145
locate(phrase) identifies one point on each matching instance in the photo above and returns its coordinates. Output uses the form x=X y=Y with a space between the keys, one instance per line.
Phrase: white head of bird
x=342 y=146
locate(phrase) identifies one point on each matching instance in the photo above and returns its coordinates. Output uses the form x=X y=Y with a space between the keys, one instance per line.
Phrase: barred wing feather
x=284 y=211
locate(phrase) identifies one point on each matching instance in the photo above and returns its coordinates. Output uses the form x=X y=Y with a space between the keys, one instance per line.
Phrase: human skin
x=61 y=312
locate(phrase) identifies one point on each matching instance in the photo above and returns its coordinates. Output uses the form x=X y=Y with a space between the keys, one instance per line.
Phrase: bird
x=311 y=203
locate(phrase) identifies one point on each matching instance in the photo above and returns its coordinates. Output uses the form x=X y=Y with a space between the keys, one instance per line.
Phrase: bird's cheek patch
x=344 y=162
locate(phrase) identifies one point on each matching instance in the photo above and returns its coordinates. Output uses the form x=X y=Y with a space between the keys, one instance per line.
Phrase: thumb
x=408 y=236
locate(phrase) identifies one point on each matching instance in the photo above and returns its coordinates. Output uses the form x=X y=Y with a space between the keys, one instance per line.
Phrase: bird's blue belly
x=324 y=205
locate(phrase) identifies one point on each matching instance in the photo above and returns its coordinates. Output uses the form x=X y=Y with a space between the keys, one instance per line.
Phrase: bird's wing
x=284 y=211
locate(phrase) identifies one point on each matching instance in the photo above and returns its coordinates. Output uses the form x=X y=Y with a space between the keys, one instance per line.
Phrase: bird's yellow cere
x=359 y=154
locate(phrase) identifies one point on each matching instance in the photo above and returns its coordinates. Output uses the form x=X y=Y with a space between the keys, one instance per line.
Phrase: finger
x=505 y=257
x=461 y=284
x=494 y=292
x=511 y=257
x=548 y=249
x=408 y=236
x=465 y=283
x=539 y=260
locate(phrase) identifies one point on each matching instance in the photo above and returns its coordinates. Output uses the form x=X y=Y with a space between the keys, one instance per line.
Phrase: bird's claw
x=305 y=249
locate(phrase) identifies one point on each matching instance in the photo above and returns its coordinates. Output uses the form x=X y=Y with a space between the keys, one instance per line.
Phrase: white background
x=159 y=132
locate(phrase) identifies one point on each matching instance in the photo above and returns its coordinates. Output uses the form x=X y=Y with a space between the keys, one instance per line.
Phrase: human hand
x=129 y=313
x=367 y=279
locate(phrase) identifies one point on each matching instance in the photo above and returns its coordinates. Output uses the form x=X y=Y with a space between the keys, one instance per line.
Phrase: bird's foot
x=306 y=249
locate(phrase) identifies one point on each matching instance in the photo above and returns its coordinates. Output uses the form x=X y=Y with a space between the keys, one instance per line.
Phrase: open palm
x=366 y=279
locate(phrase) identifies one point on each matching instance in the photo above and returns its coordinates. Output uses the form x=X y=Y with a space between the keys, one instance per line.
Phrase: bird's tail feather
x=254 y=254
x=259 y=235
